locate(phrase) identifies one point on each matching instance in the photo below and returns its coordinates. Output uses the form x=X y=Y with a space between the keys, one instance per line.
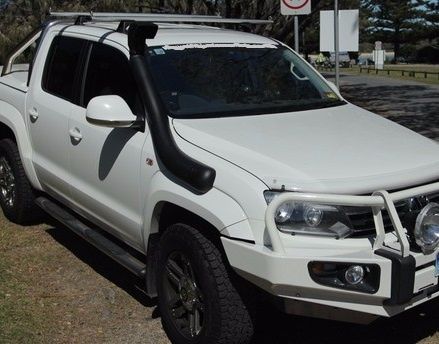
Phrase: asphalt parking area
x=412 y=104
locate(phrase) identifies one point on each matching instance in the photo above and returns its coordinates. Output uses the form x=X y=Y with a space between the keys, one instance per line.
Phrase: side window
x=62 y=66
x=108 y=73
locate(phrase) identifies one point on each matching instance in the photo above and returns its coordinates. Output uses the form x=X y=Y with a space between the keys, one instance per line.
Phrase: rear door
x=49 y=104
x=106 y=162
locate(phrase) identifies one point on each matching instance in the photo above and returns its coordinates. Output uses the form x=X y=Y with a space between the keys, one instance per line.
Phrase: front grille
x=362 y=218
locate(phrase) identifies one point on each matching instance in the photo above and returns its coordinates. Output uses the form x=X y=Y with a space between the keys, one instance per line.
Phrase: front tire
x=196 y=297
x=17 y=198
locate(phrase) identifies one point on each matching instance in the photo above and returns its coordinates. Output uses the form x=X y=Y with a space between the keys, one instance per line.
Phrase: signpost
x=295 y=8
x=336 y=45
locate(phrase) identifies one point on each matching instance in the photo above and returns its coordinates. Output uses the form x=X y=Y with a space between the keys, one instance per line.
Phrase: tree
x=397 y=19
x=432 y=19
x=20 y=17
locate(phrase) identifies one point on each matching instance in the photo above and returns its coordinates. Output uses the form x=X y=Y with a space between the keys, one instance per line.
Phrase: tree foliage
x=393 y=21
x=431 y=19
x=397 y=21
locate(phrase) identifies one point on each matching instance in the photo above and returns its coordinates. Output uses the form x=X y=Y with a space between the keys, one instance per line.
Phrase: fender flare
x=215 y=207
x=13 y=119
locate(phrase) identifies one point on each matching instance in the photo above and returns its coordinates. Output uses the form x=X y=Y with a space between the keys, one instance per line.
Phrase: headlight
x=309 y=218
x=427 y=228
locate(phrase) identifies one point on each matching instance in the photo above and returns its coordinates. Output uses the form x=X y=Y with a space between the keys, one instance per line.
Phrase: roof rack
x=81 y=17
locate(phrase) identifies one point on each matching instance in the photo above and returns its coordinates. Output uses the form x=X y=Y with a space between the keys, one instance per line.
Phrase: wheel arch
x=215 y=209
x=12 y=126
x=168 y=203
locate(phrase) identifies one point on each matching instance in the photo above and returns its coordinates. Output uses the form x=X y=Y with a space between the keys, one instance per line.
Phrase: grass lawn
x=393 y=71
x=22 y=320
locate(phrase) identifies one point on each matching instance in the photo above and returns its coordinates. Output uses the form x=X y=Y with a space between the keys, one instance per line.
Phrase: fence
x=410 y=73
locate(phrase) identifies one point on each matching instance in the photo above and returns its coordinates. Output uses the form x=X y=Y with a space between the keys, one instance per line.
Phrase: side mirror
x=110 y=112
x=334 y=89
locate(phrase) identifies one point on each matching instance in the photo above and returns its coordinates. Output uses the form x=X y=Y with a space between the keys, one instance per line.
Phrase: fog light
x=363 y=278
x=354 y=274
x=427 y=228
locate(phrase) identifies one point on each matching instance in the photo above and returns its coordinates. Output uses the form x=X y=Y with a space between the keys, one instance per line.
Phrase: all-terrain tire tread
x=237 y=325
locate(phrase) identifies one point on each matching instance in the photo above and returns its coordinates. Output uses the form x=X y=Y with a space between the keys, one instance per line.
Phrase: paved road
x=409 y=103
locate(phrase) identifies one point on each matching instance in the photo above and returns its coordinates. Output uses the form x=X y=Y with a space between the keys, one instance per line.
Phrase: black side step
x=93 y=236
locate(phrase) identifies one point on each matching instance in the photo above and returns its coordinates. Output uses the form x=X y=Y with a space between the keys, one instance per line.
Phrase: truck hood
x=344 y=149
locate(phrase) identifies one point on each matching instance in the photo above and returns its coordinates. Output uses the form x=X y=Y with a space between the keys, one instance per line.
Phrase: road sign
x=295 y=7
x=349 y=22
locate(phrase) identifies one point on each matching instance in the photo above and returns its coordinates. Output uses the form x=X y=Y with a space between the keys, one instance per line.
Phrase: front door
x=106 y=162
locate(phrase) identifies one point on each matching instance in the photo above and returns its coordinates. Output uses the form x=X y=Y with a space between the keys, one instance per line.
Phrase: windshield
x=215 y=80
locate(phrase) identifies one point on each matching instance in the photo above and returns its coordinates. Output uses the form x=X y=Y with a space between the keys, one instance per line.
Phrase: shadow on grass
x=274 y=327
x=408 y=328
x=101 y=263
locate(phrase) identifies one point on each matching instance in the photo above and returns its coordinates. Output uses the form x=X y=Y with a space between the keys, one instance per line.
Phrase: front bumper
x=407 y=277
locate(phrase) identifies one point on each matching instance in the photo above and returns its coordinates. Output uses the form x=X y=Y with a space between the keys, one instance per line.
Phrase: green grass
x=431 y=79
x=415 y=67
x=17 y=325
x=21 y=319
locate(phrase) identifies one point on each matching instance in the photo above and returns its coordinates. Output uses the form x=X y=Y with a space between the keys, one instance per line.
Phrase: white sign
x=349 y=29
x=295 y=7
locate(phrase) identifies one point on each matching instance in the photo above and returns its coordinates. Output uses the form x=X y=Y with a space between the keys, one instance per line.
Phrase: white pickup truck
x=214 y=162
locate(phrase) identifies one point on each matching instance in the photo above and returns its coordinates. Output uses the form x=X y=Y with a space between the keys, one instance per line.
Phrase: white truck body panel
x=343 y=150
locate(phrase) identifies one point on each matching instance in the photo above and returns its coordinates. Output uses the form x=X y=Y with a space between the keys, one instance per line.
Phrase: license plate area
x=436 y=270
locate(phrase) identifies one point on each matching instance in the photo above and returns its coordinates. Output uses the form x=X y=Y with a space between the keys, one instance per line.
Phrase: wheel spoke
x=194 y=323
x=184 y=298
x=187 y=268
x=192 y=326
x=173 y=278
x=174 y=268
x=7 y=182
x=197 y=321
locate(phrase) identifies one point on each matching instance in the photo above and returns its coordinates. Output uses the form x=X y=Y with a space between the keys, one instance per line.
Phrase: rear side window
x=62 y=66
x=109 y=73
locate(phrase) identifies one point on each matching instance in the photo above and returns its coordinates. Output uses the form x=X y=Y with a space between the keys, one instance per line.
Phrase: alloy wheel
x=184 y=298
x=7 y=183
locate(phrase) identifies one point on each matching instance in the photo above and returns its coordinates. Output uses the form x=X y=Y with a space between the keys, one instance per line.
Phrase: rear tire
x=197 y=300
x=17 y=198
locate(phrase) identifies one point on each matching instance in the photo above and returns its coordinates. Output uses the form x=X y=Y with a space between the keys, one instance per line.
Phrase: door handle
x=33 y=114
x=75 y=135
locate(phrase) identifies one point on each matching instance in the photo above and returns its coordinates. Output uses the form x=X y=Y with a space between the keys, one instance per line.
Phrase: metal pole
x=296 y=34
x=336 y=44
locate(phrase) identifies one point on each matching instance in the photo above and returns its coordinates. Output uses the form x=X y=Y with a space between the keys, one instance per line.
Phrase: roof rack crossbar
x=152 y=17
